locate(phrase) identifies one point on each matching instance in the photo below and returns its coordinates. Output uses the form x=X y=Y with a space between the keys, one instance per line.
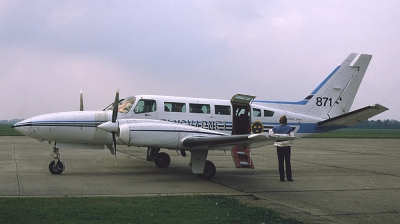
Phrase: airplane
x=197 y=125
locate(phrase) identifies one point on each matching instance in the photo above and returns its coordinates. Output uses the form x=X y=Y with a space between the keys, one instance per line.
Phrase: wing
x=356 y=116
x=234 y=140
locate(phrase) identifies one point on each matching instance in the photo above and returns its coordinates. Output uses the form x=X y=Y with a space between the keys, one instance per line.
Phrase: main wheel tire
x=209 y=171
x=56 y=168
x=162 y=160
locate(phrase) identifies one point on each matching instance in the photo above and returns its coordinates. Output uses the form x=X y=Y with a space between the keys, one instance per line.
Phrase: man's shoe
x=290 y=180
x=282 y=180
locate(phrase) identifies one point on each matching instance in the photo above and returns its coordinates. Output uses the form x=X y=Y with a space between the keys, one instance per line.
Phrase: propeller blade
x=81 y=102
x=115 y=110
x=115 y=147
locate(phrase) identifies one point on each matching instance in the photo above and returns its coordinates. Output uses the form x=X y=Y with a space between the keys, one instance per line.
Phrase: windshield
x=124 y=105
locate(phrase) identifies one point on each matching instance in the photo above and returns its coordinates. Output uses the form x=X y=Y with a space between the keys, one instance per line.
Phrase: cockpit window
x=145 y=106
x=124 y=105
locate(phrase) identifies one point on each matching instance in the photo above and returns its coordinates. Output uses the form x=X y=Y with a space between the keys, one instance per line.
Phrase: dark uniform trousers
x=284 y=156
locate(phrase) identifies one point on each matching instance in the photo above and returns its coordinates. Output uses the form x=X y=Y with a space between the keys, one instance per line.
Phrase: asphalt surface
x=335 y=180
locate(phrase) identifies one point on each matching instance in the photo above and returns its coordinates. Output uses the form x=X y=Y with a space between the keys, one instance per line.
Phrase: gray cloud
x=50 y=50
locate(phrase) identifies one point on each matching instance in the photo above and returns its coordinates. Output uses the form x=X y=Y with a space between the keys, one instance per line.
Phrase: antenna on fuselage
x=81 y=102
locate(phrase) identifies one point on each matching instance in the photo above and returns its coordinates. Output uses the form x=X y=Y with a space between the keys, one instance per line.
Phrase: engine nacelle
x=152 y=133
x=166 y=135
x=124 y=133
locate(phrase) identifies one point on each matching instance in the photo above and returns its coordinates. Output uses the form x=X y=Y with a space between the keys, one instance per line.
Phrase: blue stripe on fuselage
x=60 y=123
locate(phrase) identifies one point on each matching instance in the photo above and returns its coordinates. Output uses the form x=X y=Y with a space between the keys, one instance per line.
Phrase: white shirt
x=282 y=143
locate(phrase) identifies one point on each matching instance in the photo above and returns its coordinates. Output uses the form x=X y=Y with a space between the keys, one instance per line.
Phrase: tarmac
x=335 y=180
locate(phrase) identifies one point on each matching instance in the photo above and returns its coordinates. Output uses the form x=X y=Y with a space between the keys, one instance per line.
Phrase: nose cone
x=73 y=126
x=37 y=127
x=23 y=127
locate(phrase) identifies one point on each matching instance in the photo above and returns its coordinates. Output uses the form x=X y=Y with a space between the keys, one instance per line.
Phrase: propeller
x=114 y=121
x=113 y=125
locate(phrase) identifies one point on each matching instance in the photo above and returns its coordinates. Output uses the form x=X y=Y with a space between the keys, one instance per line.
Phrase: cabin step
x=242 y=157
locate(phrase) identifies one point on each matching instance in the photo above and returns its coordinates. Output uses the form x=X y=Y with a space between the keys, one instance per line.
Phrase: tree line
x=378 y=124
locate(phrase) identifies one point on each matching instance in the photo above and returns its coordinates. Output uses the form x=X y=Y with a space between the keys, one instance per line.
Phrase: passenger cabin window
x=268 y=113
x=145 y=106
x=174 y=107
x=256 y=112
x=222 y=110
x=199 y=108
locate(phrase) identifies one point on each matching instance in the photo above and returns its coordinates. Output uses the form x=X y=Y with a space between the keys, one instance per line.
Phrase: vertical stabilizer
x=335 y=95
x=345 y=100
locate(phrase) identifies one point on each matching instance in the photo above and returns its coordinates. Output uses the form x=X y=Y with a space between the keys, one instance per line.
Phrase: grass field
x=6 y=130
x=164 y=209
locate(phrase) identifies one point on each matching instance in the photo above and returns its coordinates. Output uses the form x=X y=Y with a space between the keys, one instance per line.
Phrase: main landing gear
x=209 y=171
x=56 y=166
x=162 y=160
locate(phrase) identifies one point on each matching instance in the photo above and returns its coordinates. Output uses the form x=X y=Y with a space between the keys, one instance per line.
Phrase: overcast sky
x=51 y=50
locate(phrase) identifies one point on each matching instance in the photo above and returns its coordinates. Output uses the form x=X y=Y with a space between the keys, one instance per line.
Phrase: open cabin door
x=241 y=154
x=241 y=114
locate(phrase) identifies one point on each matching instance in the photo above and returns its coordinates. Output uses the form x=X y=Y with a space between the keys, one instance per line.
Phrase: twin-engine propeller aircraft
x=197 y=125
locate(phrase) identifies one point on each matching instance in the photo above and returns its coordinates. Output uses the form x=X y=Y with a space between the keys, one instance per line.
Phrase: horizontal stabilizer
x=356 y=116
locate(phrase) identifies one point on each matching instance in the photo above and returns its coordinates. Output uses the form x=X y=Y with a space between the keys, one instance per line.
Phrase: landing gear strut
x=56 y=166
x=152 y=153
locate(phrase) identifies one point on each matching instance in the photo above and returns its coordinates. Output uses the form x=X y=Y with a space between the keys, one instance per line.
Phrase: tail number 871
x=324 y=101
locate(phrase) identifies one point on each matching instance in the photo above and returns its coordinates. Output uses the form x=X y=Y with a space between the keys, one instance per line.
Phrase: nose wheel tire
x=56 y=168
x=209 y=171
x=162 y=160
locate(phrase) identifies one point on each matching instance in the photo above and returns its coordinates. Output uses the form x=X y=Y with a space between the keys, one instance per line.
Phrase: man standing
x=283 y=148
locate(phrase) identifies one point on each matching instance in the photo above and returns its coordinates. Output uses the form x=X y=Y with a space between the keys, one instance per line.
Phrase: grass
x=6 y=130
x=359 y=133
x=164 y=209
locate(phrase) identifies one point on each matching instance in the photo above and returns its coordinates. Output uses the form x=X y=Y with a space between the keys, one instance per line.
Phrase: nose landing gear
x=56 y=166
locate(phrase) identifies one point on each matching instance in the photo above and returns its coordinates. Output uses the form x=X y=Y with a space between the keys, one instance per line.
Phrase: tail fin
x=335 y=95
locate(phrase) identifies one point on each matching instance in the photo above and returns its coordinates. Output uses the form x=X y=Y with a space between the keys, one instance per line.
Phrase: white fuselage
x=80 y=127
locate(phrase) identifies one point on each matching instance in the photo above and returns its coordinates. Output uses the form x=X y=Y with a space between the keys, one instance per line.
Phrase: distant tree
x=362 y=125
x=378 y=124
